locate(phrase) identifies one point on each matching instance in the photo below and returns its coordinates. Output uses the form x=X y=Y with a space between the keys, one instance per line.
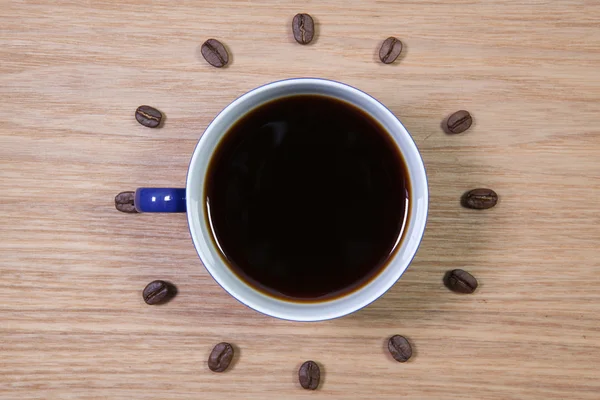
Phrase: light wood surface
x=72 y=321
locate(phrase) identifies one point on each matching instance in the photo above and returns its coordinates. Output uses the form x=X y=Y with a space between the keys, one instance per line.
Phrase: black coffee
x=307 y=197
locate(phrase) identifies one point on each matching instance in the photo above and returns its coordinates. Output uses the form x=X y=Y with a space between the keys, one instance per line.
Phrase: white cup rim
x=280 y=308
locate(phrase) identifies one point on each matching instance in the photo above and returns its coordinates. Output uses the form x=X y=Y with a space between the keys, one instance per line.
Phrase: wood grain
x=73 y=324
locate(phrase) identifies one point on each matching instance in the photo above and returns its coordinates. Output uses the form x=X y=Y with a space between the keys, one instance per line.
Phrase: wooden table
x=72 y=321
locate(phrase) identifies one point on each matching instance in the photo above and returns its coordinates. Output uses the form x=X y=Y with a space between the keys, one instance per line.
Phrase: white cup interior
x=201 y=232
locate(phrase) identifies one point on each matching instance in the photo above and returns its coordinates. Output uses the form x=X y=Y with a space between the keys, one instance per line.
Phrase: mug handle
x=159 y=200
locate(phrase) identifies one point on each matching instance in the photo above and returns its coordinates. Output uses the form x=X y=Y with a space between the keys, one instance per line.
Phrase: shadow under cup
x=213 y=235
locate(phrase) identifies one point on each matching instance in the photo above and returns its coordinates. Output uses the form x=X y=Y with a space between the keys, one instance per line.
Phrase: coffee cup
x=193 y=200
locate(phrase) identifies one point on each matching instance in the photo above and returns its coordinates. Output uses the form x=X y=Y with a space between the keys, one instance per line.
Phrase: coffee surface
x=306 y=197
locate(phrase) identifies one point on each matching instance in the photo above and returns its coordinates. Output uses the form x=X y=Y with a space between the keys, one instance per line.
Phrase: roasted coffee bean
x=479 y=199
x=399 y=348
x=460 y=281
x=215 y=53
x=459 y=122
x=157 y=292
x=309 y=375
x=124 y=202
x=220 y=357
x=303 y=28
x=390 y=50
x=148 y=116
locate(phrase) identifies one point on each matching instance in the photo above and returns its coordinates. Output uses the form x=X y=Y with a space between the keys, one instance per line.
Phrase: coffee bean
x=220 y=357
x=479 y=199
x=459 y=122
x=399 y=348
x=215 y=53
x=460 y=281
x=124 y=202
x=303 y=28
x=148 y=116
x=309 y=375
x=157 y=292
x=390 y=50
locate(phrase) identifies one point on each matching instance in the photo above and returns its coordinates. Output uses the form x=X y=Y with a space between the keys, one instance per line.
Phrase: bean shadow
x=163 y=120
x=237 y=355
x=172 y=293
